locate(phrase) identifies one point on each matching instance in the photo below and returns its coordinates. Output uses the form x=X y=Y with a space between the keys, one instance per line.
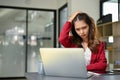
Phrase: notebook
x=64 y=62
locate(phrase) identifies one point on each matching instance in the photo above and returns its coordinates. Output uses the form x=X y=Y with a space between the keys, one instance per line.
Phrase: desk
x=36 y=76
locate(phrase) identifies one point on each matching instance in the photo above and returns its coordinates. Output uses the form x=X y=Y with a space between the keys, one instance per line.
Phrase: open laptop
x=65 y=62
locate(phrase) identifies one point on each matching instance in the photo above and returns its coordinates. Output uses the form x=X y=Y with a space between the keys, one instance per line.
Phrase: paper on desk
x=93 y=73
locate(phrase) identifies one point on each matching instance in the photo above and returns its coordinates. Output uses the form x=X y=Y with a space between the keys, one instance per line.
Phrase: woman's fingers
x=73 y=16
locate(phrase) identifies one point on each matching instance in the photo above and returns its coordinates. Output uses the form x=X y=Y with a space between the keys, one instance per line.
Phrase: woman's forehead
x=80 y=23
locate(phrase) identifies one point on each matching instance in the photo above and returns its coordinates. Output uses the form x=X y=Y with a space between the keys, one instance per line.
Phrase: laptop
x=64 y=62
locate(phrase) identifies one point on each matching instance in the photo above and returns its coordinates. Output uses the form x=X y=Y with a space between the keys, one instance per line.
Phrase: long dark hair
x=92 y=35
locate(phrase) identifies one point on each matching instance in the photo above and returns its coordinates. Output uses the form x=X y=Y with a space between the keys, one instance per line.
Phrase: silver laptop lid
x=67 y=62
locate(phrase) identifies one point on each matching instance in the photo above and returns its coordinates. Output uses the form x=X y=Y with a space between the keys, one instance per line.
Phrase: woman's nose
x=81 y=31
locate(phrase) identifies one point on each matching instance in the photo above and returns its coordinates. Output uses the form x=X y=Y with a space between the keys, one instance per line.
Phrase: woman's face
x=82 y=29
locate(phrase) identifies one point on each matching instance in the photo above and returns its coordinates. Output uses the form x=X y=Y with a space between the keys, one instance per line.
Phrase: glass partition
x=22 y=32
x=63 y=16
x=12 y=43
x=40 y=34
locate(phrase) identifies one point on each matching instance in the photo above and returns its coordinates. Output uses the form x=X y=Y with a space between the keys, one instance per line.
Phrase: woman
x=84 y=35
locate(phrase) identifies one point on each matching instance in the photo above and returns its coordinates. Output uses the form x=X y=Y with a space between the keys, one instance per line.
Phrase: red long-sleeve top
x=98 y=61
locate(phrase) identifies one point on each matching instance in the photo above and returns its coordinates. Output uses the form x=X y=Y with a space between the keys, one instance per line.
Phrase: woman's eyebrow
x=84 y=26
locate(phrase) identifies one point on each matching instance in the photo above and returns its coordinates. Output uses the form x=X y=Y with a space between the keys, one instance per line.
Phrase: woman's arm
x=99 y=63
x=64 y=37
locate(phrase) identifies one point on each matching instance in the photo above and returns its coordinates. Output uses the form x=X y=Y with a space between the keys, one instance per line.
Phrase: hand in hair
x=73 y=16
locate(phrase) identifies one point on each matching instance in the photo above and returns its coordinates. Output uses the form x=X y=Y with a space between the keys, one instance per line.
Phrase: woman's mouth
x=83 y=35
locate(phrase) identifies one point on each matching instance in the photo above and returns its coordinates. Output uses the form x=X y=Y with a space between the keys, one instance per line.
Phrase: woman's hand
x=73 y=16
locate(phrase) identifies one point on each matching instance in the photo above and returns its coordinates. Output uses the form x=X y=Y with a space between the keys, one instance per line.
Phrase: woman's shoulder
x=99 y=42
x=101 y=45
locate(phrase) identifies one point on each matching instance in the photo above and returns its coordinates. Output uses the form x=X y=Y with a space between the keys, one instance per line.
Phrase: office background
x=27 y=25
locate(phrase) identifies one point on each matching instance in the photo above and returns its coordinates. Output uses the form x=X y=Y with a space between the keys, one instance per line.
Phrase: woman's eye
x=84 y=28
x=77 y=29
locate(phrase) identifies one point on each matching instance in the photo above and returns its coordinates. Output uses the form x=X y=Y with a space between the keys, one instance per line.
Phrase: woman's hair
x=92 y=35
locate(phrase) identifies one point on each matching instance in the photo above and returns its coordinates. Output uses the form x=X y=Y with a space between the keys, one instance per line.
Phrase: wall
x=89 y=6
x=61 y=3
x=46 y=4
